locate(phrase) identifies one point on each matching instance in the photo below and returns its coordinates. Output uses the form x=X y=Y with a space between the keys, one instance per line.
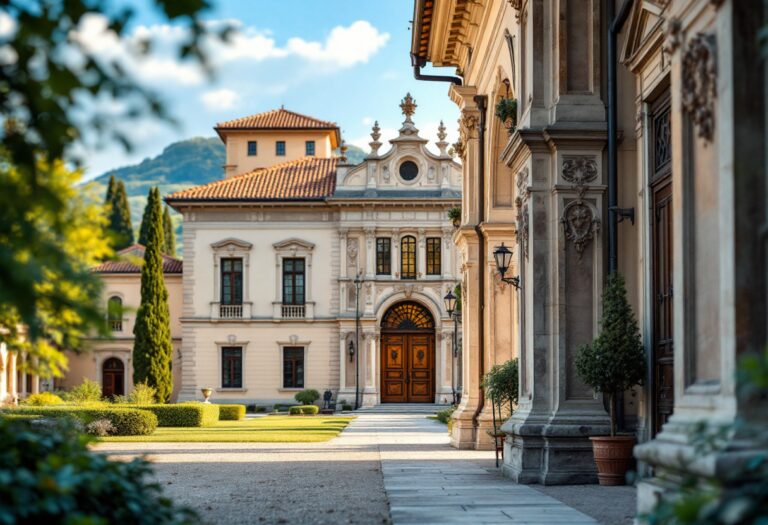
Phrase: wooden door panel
x=420 y=351
x=407 y=371
x=393 y=380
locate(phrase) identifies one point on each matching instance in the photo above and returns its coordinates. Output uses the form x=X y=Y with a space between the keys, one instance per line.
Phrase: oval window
x=408 y=170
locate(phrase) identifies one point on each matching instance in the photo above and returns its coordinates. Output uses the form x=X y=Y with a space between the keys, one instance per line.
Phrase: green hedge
x=231 y=412
x=307 y=410
x=127 y=421
x=183 y=414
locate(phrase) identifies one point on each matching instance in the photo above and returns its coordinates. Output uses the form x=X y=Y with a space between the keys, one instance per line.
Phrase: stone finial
x=375 y=144
x=343 y=149
x=441 y=143
x=408 y=106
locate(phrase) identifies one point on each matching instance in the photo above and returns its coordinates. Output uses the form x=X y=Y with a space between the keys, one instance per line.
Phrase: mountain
x=180 y=165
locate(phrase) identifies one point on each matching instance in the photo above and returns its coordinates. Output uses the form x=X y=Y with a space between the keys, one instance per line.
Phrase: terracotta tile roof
x=127 y=258
x=308 y=178
x=276 y=119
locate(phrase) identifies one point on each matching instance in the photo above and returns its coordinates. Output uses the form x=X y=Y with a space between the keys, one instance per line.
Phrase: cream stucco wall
x=238 y=160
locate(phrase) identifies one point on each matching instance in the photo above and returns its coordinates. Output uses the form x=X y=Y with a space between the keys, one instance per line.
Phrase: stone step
x=403 y=408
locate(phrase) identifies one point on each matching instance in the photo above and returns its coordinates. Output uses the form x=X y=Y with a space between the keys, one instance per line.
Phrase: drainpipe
x=419 y=62
x=615 y=23
x=482 y=105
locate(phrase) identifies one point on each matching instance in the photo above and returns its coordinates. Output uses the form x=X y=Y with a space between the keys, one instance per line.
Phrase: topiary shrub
x=307 y=397
x=43 y=399
x=231 y=412
x=126 y=421
x=346 y=407
x=184 y=414
x=294 y=410
x=87 y=391
x=310 y=410
x=615 y=361
x=49 y=476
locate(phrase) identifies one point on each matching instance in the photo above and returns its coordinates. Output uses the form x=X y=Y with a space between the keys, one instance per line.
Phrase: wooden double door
x=407 y=367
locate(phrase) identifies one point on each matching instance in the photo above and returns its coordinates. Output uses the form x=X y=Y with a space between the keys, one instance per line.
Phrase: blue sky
x=340 y=60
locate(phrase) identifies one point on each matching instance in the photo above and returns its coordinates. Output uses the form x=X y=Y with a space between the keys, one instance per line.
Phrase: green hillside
x=180 y=165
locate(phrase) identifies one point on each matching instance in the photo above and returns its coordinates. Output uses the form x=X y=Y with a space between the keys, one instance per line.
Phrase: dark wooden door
x=407 y=368
x=662 y=246
x=113 y=378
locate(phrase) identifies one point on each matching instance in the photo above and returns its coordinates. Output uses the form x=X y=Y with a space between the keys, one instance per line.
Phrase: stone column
x=447 y=263
x=368 y=380
x=396 y=252
x=421 y=254
x=343 y=251
x=370 y=252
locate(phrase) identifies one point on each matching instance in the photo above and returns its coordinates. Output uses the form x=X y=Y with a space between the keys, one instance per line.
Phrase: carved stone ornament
x=521 y=201
x=468 y=126
x=673 y=35
x=352 y=250
x=699 y=72
x=579 y=170
x=458 y=148
x=580 y=223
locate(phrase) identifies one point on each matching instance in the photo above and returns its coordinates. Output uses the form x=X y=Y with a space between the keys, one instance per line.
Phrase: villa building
x=633 y=141
x=302 y=271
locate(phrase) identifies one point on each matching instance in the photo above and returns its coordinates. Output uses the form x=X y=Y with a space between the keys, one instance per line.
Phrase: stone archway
x=407 y=354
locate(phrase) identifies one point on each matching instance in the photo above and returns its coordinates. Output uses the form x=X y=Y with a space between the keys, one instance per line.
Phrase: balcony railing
x=116 y=325
x=231 y=311
x=293 y=311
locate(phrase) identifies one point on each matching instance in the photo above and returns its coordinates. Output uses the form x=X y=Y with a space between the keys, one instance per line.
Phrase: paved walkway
x=428 y=482
x=383 y=467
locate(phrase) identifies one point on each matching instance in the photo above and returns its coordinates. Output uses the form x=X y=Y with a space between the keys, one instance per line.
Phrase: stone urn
x=206 y=394
x=613 y=456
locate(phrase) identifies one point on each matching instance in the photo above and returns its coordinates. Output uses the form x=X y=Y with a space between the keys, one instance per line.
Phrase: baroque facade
x=302 y=271
x=636 y=145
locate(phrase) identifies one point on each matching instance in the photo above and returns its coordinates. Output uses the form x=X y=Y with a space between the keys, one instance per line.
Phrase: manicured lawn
x=267 y=429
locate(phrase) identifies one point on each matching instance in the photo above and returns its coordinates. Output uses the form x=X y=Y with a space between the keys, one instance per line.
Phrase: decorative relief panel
x=521 y=201
x=352 y=250
x=699 y=72
x=579 y=219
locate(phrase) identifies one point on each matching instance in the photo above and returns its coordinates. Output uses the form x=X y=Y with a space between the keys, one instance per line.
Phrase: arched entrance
x=408 y=354
x=112 y=377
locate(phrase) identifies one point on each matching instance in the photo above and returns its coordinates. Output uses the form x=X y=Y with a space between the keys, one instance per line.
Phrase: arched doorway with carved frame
x=408 y=354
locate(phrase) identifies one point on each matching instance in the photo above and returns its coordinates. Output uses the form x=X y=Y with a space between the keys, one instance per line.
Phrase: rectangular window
x=383 y=256
x=310 y=148
x=408 y=257
x=293 y=281
x=232 y=367
x=252 y=149
x=280 y=148
x=293 y=367
x=433 y=256
x=231 y=281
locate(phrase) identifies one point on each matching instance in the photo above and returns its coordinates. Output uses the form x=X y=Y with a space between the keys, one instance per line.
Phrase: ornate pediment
x=646 y=24
x=231 y=244
x=294 y=244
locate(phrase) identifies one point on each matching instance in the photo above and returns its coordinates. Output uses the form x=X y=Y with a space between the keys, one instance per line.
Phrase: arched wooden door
x=112 y=378
x=408 y=354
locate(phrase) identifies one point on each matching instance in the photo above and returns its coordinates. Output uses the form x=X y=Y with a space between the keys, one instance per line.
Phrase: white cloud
x=219 y=99
x=367 y=121
x=343 y=48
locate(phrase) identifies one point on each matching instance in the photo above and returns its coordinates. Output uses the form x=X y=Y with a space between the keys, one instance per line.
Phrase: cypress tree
x=110 y=191
x=144 y=228
x=170 y=236
x=120 y=217
x=152 y=348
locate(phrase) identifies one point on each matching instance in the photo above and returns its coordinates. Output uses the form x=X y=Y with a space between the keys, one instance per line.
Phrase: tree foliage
x=169 y=234
x=145 y=218
x=615 y=361
x=119 y=211
x=52 y=89
x=501 y=384
x=152 y=349
x=49 y=298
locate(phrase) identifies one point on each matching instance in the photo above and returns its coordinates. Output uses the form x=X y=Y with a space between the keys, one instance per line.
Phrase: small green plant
x=443 y=416
x=142 y=394
x=55 y=478
x=615 y=361
x=86 y=392
x=100 y=428
x=454 y=214
x=308 y=396
x=43 y=399
x=506 y=111
x=501 y=385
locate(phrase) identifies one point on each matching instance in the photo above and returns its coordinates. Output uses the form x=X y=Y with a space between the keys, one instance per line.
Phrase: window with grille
x=293 y=367
x=231 y=281
x=310 y=148
x=280 y=148
x=252 y=148
x=408 y=257
x=293 y=281
x=383 y=256
x=232 y=367
x=433 y=256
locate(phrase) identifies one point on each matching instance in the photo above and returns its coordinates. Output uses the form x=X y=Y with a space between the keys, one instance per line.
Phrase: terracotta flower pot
x=613 y=456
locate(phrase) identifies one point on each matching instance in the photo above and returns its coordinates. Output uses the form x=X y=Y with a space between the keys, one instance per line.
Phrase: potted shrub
x=613 y=363
x=506 y=111
x=501 y=385
x=455 y=215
